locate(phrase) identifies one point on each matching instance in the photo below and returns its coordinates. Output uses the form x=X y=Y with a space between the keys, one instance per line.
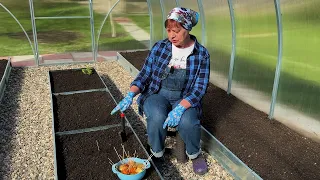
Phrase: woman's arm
x=135 y=89
x=200 y=85
x=143 y=78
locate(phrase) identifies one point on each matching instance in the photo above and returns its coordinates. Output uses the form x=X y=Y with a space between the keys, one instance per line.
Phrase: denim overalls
x=172 y=84
x=157 y=107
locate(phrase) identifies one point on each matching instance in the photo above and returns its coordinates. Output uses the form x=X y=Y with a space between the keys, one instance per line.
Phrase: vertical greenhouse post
x=163 y=18
x=177 y=3
x=92 y=31
x=151 y=23
x=34 y=31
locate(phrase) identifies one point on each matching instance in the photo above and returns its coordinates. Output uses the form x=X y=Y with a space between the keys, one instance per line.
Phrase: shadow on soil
x=9 y=111
x=139 y=127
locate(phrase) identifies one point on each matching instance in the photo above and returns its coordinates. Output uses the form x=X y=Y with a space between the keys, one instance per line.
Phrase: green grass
x=143 y=21
x=58 y=35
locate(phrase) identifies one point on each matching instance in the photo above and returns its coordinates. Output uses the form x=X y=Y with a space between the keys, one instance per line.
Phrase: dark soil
x=74 y=80
x=3 y=64
x=85 y=156
x=83 y=110
x=136 y=58
x=268 y=147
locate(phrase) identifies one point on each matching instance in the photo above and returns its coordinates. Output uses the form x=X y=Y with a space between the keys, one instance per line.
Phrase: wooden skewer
x=110 y=162
x=118 y=154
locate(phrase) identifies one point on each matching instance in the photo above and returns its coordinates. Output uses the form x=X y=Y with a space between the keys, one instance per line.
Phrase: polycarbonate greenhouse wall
x=265 y=52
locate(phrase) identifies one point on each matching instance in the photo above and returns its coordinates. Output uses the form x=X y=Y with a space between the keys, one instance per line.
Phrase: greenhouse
x=66 y=64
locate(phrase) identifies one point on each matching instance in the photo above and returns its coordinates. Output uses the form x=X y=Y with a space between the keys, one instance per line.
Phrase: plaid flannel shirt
x=198 y=71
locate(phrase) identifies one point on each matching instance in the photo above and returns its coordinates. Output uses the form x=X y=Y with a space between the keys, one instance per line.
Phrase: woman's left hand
x=174 y=116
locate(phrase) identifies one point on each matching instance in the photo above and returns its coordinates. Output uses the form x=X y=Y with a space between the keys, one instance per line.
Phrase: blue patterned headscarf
x=188 y=18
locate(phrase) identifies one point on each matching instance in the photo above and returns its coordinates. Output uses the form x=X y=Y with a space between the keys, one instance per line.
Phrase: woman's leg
x=190 y=131
x=156 y=109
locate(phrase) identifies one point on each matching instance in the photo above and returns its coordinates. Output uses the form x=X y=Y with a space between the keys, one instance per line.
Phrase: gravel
x=26 y=142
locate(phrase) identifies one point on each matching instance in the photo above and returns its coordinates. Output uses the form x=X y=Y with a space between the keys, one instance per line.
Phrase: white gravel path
x=26 y=143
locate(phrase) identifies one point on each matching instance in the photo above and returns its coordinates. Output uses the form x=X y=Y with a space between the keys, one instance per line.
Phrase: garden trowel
x=122 y=133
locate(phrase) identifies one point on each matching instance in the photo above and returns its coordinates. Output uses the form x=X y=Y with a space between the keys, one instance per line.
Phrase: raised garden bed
x=269 y=148
x=85 y=134
x=74 y=80
x=5 y=69
x=85 y=156
x=83 y=110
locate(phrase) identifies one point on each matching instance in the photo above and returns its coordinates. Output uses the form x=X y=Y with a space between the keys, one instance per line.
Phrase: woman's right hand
x=124 y=103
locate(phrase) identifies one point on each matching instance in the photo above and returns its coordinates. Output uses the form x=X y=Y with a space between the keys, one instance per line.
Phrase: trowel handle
x=123 y=121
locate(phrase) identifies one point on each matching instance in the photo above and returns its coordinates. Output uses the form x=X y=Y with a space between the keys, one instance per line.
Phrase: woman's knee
x=189 y=120
x=156 y=109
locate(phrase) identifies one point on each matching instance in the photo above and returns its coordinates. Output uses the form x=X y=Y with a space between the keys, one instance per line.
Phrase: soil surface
x=83 y=110
x=74 y=80
x=3 y=64
x=137 y=58
x=85 y=155
x=268 y=147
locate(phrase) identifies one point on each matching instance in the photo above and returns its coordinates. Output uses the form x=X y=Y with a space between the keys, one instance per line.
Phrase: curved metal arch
x=19 y=25
x=102 y=24
x=203 y=23
x=279 y=61
x=233 y=50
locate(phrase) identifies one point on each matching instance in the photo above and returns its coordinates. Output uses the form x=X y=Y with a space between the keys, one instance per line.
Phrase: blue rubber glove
x=174 y=116
x=124 y=103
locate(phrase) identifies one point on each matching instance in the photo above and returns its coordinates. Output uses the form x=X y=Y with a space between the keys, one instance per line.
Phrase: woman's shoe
x=199 y=165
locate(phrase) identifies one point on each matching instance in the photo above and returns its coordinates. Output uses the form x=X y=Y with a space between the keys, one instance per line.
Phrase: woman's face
x=177 y=35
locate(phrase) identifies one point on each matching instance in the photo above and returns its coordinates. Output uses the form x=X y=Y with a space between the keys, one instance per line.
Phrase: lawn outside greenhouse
x=65 y=64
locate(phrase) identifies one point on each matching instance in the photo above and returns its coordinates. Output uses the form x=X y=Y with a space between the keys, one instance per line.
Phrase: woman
x=172 y=83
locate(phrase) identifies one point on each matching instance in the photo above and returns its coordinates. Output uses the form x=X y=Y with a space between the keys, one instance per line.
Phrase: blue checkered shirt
x=198 y=71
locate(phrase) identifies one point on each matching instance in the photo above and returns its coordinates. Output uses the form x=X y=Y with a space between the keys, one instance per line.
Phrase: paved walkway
x=135 y=31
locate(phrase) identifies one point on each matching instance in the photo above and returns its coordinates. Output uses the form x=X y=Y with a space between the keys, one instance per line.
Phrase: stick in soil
x=97 y=145
x=110 y=162
x=118 y=154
